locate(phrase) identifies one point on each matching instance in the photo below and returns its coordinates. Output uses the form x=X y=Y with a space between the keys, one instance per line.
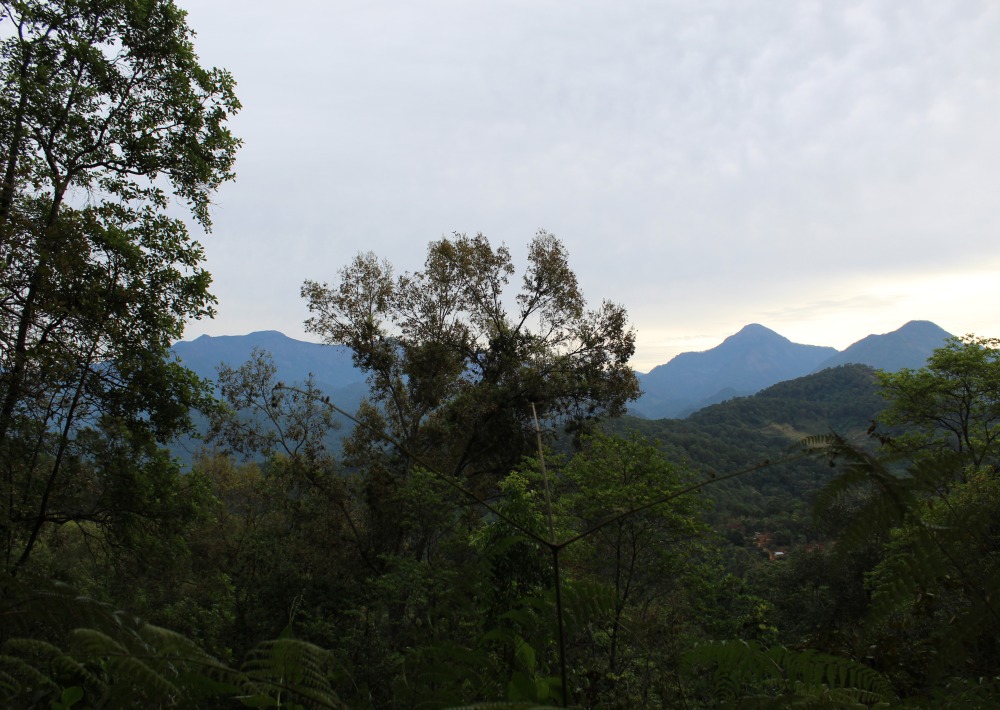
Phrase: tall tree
x=99 y=392
x=107 y=97
x=106 y=115
x=454 y=375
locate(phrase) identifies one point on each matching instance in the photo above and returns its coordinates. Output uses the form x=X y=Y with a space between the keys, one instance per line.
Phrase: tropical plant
x=953 y=403
x=751 y=676
x=59 y=649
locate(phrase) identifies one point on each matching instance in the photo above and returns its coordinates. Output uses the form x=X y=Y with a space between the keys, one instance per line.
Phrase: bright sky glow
x=827 y=169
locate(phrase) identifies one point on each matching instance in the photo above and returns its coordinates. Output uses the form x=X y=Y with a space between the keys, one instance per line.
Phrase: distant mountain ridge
x=744 y=363
x=294 y=359
x=757 y=357
x=331 y=366
x=734 y=435
x=907 y=347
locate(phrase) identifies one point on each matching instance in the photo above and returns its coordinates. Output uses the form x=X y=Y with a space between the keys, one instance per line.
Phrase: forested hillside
x=768 y=426
x=493 y=532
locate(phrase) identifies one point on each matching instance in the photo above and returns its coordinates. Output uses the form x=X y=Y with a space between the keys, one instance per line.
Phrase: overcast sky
x=827 y=169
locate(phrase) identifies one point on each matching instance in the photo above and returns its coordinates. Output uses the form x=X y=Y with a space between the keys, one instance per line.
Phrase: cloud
x=702 y=161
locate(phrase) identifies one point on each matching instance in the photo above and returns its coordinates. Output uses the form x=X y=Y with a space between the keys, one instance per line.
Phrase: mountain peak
x=908 y=346
x=256 y=335
x=755 y=331
x=923 y=328
x=744 y=363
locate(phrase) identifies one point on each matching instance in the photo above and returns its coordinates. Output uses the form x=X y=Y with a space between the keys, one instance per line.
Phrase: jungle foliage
x=106 y=115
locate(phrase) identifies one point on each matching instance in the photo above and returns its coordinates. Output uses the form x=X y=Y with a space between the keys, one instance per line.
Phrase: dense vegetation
x=493 y=531
x=767 y=427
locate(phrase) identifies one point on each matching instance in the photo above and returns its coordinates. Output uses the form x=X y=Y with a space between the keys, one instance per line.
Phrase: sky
x=827 y=169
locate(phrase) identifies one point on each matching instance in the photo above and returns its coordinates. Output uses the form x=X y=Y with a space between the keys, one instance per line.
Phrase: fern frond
x=737 y=664
x=743 y=670
x=503 y=706
x=64 y=669
x=142 y=664
x=821 y=671
x=937 y=520
x=904 y=575
x=288 y=667
x=34 y=607
x=91 y=643
x=137 y=673
x=18 y=673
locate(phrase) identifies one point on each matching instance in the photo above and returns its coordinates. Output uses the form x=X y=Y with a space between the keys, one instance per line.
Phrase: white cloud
x=704 y=162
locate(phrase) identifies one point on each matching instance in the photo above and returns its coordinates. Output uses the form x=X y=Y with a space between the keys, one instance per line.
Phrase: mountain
x=744 y=363
x=331 y=365
x=908 y=347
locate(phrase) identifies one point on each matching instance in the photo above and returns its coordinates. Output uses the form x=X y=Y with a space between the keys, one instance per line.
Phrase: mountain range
x=756 y=357
x=744 y=363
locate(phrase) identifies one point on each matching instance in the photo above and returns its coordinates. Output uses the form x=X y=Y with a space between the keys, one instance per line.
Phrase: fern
x=34 y=668
x=118 y=660
x=750 y=674
x=20 y=675
x=887 y=496
x=586 y=602
x=289 y=670
x=43 y=608
x=934 y=595
x=445 y=674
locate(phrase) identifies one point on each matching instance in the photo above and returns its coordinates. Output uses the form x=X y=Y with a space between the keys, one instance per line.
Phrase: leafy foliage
x=452 y=373
x=766 y=427
x=953 y=403
x=779 y=677
x=930 y=499
x=447 y=558
x=105 y=116
x=116 y=660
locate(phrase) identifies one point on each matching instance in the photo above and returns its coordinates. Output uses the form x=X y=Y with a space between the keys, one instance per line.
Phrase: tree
x=99 y=386
x=107 y=96
x=929 y=500
x=952 y=403
x=297 y=542
x=453 y=375
x=649 y=563
x=105 y=116
x=454 y=379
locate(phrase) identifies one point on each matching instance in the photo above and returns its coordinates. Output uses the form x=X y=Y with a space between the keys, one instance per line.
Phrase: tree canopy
x=952 y=403
x=107 y=97
x=453 y=373
x=105 y=114
x=475 y=540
